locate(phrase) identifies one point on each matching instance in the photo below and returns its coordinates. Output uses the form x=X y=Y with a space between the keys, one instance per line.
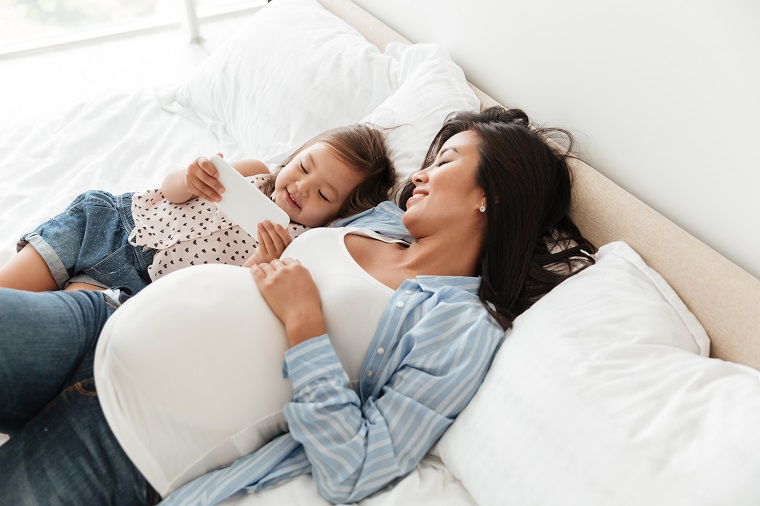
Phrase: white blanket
x=116 y=143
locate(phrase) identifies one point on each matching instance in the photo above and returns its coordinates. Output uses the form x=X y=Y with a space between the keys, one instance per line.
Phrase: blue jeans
x=61 y=450
x=89 y=242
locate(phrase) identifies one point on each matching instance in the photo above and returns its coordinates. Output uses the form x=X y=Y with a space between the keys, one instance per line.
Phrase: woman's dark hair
x=531 y=243
x=363 y=147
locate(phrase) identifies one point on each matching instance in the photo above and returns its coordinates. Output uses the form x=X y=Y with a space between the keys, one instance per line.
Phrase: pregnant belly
x=190 y=373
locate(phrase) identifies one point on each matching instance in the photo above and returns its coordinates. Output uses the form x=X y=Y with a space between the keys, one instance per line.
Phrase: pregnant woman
x=348 y=358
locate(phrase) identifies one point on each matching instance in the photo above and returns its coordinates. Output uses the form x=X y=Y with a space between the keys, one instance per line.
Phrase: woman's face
x=314 y=185
x=446 y=192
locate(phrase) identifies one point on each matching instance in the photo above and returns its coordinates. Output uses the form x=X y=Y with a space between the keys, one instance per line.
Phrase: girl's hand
x=200 y=179
x=273 y=239
x=292 y=295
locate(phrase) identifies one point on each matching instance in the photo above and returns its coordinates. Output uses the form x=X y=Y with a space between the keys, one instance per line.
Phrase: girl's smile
x=292 y=201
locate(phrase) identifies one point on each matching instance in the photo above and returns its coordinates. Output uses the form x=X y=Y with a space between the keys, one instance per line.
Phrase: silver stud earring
x=482 y=208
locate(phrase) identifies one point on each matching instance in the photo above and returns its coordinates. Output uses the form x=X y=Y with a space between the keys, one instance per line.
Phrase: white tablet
x=243 y=203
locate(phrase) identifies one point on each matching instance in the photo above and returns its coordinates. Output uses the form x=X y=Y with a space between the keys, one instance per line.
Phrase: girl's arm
x=199 y=180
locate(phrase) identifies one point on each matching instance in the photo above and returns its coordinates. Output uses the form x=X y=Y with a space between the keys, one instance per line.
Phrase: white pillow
x=431 y=86
x=293 y=72
x=602 y=394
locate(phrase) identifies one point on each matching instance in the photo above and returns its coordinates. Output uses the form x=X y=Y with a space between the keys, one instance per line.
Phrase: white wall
x=662 y=95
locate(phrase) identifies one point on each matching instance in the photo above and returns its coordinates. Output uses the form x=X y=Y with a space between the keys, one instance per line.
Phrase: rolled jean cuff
x=48 y=254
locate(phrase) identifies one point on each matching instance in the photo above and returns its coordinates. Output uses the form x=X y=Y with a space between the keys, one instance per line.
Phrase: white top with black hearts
x=194 y=232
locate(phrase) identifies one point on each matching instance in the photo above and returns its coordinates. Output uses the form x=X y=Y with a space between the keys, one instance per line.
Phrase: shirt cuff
x=310 y=360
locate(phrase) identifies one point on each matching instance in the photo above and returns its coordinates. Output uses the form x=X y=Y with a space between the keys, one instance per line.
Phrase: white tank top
x=189 y=373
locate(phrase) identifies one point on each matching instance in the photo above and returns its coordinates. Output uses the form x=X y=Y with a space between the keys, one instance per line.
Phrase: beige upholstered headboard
x=725 y=298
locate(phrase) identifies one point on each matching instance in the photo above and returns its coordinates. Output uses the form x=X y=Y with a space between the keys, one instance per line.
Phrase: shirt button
x=370 y=374
x=400 y=303
x=380 y=351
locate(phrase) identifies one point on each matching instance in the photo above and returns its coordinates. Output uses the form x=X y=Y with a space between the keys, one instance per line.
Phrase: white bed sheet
x=116 y=143
x=429 y=484
x=128 y=142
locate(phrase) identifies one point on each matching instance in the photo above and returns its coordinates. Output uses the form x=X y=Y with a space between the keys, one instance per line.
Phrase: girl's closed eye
x=303 y=169
x=322 y=195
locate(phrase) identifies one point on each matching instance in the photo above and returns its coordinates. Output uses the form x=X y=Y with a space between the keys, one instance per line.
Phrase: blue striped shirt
x=429 y=355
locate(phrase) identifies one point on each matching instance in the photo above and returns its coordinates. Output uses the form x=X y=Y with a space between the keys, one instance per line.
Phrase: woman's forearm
x=367 y=443
x=358 y=445
x=303 y=329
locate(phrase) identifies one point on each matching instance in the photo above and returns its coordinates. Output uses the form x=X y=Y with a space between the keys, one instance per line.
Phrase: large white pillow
x=602 y=394
x=293 y=71
x=431 y=86
x=297 y=70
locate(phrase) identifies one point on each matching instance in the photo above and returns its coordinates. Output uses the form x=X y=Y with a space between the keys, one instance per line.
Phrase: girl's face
x=314 y=185
x=446 y=192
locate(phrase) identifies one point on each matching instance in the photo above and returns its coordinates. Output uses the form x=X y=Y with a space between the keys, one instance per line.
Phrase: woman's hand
x=201 y=179
x=273 y=239
x=292 y=295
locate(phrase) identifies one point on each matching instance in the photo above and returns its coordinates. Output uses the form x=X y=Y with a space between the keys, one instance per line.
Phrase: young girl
x=130 y=240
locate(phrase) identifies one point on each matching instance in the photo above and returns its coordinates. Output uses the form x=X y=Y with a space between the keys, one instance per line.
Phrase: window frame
x=191 y=23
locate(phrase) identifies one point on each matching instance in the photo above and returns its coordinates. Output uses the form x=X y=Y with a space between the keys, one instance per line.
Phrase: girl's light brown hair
x=363 y=147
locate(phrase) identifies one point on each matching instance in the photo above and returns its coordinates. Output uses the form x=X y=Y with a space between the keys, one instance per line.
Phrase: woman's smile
x=417 y=194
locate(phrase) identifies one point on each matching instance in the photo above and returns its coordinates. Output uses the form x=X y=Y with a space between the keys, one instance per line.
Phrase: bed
x=635 y=382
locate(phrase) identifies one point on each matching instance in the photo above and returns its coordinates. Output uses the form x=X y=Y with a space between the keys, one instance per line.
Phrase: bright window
x=41 y=22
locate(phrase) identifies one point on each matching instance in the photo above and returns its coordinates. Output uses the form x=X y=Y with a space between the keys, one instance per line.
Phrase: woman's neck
x=392 y=263
x=442 y=256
